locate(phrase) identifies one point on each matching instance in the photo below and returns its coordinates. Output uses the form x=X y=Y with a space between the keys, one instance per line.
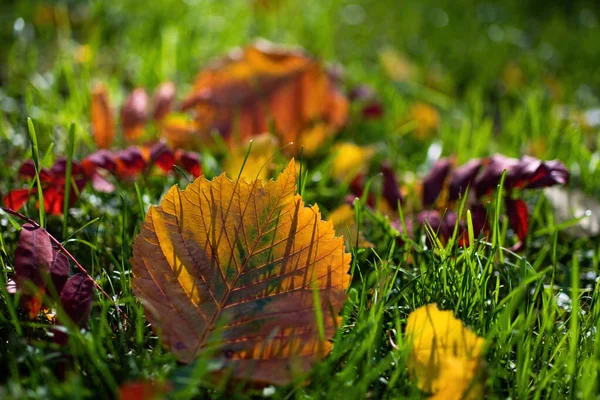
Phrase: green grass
x=538 y=310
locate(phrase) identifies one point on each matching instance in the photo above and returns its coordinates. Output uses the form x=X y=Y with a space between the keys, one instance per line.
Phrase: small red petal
x=16 y=199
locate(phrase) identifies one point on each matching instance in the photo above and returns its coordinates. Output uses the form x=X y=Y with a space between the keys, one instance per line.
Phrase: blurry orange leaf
x=238 y=94
x=103 y=120
x=446 y=355
x=257 y=164
x=241 y=267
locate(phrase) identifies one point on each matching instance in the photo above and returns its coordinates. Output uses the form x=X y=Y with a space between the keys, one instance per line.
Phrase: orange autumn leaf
x=103 y=120
x=446 y=356
x=240 y=267
x=240 y=93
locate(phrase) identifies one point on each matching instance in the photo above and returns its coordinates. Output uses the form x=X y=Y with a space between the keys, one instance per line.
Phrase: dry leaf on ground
x=241 y=267
x=238 y=95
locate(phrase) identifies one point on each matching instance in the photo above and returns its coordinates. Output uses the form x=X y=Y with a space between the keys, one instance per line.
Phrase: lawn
x=400 y=95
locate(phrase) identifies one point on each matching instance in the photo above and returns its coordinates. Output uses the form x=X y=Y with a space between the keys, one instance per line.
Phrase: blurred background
x=497 y=69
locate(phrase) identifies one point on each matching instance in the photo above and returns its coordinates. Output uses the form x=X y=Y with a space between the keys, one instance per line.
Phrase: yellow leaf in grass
x=446 y=356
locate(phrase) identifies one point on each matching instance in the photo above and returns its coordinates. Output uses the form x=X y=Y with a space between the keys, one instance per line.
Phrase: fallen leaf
x=76 y=298
x=59 y=270
x=238 y=267
x=33 y=258
x=103 y=120
x=433 y=183
x=239 y=93
x=446 y=356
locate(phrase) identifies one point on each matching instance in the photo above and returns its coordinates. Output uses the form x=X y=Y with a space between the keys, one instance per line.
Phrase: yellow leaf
x=313 y=139
x=445 y=356
x=426 y=118
x=241 y=267
x=257 y=165
x=350 y=159
x=397 y=66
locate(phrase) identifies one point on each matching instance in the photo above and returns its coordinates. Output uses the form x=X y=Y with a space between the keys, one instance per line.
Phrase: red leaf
x=143 y=390
x=163 y=156
x=17 y=198
x=190 y=162
x=129 y=162
x=33 y=258
x=518 y=216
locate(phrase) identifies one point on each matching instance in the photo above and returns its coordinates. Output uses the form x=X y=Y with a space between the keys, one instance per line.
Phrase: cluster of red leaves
x=125 y=164
x=446 y=185
x=38 y=266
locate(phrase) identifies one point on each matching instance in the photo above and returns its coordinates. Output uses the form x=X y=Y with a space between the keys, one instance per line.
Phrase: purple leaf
x=462 y=177
x=434 y=181
x=76 y=298
x=33 y=258
x=391 y=191
x=59 y=270
x=487 y=181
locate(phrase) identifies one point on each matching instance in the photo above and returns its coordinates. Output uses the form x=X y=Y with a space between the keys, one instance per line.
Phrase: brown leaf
x=103 y=120
x=237 y=265
x=33 y=258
